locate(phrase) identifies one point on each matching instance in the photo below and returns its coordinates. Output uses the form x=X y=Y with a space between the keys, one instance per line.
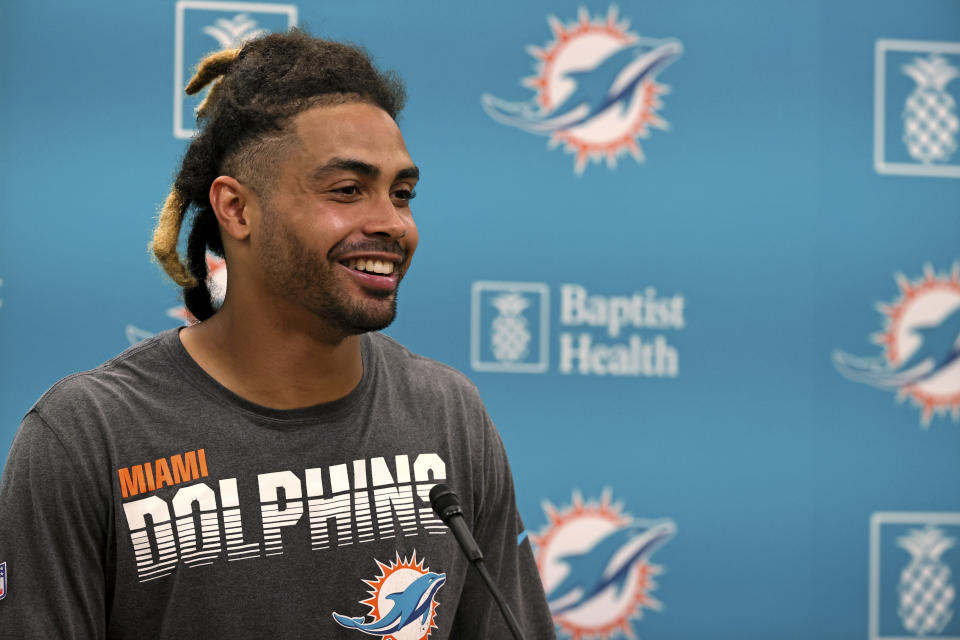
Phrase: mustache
x=366 y=246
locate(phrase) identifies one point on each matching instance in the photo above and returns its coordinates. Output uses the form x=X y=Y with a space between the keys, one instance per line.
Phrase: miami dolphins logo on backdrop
x=216 y=283
x=596 y=89
x=594 y=560
x=402 y=603
x=921 y=345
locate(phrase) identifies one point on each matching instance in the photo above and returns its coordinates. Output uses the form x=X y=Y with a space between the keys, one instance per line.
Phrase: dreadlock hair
x=257 y=90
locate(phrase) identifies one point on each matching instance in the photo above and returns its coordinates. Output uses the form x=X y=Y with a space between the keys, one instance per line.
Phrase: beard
x=312 y=280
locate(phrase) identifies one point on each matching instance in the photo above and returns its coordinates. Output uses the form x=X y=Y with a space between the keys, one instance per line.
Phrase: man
x=265 y=473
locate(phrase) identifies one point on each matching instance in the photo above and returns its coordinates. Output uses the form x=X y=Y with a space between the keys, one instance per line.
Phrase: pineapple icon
x=926 y=594
x=930 y=121
x=234 y=32
x=510 y=335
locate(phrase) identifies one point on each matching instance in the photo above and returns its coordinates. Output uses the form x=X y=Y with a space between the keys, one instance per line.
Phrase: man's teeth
x=371 y=266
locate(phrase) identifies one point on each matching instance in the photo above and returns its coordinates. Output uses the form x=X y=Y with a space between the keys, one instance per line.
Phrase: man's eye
x=351 y=190
x=404 y=194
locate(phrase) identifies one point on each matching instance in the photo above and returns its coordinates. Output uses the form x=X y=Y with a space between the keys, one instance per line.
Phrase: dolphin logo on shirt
x=414 y=603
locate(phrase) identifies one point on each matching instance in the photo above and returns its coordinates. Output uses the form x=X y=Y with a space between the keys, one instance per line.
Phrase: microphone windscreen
x=441 y=499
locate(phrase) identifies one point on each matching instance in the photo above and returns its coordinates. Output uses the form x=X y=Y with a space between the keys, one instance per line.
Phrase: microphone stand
x=446 y=505
x=501 y=603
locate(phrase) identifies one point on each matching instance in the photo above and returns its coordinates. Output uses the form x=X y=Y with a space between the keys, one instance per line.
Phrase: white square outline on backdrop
x=896 y=517
x=476 y=363
x=209 y=5
x=879 y=112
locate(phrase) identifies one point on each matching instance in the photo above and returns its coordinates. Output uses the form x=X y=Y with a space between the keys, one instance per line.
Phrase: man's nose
x=385 y=219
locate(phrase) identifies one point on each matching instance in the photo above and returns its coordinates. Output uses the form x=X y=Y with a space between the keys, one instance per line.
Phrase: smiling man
x=265 y=472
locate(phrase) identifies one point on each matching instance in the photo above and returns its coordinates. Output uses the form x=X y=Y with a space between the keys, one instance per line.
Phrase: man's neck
x=273 y=364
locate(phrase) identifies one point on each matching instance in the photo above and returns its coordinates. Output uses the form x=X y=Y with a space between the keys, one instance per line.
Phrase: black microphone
x=446 y=505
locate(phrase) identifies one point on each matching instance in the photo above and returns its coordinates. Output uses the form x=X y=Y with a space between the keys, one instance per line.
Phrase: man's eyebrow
x=345 y=164
x=363 y=168
x=410 y=173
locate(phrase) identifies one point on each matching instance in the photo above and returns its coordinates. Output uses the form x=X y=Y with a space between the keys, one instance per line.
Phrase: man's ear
x=234 y=205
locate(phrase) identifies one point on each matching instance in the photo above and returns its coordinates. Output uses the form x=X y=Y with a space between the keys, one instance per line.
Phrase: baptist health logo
x=205 y=26
x=914 y=560
x=596 y=89
x=600 y=335
x=921 y=345
x=916 y=126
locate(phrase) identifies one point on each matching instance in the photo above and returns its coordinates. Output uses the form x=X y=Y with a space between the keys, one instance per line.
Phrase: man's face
x=337 y=234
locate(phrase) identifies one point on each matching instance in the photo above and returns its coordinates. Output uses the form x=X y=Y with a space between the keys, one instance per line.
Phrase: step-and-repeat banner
x=700 y=257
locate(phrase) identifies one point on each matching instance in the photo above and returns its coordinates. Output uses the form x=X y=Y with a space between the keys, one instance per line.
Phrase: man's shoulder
x=121 y=374
x=420 y=370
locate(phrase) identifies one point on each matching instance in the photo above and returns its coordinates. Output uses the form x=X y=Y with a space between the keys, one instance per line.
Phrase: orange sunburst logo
x=921 y=345
x=402 y=601
x=593 y=559
x=596 y=93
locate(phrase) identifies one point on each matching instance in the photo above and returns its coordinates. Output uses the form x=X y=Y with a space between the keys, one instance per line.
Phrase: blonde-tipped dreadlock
x=256 y=91
x=213 y=66
x=167 y=232
x=165 y=236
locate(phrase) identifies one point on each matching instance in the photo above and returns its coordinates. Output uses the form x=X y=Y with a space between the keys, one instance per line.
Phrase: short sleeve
x=52 y=541
x=507 y=554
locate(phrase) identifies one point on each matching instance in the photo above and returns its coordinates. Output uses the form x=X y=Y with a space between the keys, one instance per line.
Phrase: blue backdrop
x=720 y=300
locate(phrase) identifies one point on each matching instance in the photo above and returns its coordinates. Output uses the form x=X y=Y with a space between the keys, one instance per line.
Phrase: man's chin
x=366 y=320
x=367 y=327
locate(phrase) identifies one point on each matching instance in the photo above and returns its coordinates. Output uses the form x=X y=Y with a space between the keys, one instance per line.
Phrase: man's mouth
x=365 y=265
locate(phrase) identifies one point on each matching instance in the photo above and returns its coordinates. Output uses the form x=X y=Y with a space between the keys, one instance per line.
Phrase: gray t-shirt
x=142 y=499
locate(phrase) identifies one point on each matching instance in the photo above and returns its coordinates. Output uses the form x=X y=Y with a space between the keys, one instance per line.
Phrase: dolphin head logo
x=606 y=564
x=607 y=84
x=921 y=345
x=939 y=348
x=414 y=604
x=596 y=92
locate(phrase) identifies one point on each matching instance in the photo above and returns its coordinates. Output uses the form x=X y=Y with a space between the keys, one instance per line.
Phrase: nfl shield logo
x=3 y=580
